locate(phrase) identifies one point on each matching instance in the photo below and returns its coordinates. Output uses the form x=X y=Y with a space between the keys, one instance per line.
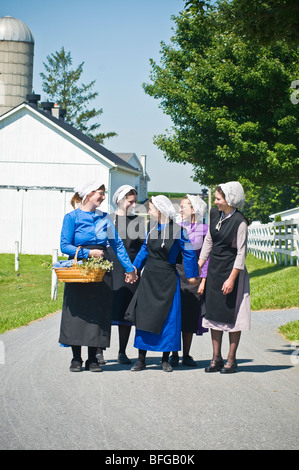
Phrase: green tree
x=265 y=21
x=61 y=83
x=229 y=102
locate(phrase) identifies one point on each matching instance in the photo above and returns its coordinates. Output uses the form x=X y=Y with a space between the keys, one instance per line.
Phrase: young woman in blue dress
x=87 y=307
x=156 y=305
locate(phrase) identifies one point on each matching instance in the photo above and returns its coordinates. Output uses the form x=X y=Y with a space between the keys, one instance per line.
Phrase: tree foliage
x=265 y=21
x=61 y=83
x=229 y=101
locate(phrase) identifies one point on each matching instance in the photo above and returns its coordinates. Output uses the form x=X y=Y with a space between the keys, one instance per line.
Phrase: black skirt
x=191 y=303
x=87 y=311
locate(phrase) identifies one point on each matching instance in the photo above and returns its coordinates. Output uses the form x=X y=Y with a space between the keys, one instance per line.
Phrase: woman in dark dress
x=193 y=210
x=227 y=295
x=131 y=230
x=156 y=306
x=87 y=307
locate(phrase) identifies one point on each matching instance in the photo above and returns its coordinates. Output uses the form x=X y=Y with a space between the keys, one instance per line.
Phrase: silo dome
x=16 y=62
x=12 y=29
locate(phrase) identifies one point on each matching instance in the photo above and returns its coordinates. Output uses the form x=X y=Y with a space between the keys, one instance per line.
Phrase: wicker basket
x=74 y=273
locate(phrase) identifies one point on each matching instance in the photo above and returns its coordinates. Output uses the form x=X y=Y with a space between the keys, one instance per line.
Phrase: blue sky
x=115 y=39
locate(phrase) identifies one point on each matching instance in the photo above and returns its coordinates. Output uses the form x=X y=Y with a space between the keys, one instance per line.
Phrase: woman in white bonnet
x=156 y=305
x=227 y=295
x=131 y=229
x=193 y=210
x=87 y=307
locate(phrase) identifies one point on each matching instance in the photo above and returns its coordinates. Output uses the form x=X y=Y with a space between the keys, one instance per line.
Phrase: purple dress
x=191 y=301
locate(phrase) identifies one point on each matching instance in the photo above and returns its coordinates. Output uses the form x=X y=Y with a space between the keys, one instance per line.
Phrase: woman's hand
x=228 y=286
x=131 y=277
x=201 y=286
x=96 y=254
x=193 y=281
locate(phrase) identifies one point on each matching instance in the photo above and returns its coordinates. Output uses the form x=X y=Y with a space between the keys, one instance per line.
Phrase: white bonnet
x=199 y=206
x=164 y=205
x=87 y=188
x=120 y=193
x=234 y=194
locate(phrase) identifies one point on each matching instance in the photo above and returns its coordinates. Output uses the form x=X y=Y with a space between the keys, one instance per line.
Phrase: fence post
x=17 y=259
x=54 y=277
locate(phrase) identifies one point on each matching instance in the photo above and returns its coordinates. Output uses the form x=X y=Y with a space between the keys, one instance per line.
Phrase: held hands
x=193 y=281
x=131 y=277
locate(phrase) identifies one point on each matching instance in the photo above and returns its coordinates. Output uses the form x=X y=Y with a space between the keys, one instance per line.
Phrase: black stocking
x=77 y=353
x=141 y=355
x=165 y=356
x=92 y=354
x=123 y=334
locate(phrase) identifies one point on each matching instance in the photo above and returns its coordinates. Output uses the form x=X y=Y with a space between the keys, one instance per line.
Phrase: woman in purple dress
x=193 y=210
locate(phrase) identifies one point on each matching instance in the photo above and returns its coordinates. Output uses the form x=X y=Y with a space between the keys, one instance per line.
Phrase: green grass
x=272 y=286
x=26 y=296
x=290 y=331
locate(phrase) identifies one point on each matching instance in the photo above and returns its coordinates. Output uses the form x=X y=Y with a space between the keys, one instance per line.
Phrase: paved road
x=44 y=406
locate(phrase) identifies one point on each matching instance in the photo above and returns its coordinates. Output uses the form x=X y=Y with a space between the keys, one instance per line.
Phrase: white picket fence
x=276 y=242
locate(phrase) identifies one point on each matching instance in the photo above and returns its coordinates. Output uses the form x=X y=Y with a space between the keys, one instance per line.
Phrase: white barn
x=42 y=158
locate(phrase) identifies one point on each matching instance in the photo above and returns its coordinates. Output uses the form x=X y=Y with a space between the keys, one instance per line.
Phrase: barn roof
x=112 y=157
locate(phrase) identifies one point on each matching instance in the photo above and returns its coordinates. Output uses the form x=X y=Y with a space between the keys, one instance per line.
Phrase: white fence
x=276 y=242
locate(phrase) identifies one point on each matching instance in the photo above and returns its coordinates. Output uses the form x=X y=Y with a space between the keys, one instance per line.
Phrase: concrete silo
x=16 y=62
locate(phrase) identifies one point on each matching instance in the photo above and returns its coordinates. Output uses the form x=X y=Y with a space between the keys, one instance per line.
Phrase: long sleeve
x=241 y=243
x=141 y=257
x=189 y=255
x=118 y=246
x=67 y=238
x=207 y=246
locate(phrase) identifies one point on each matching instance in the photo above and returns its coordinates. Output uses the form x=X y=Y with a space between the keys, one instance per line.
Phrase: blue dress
x=82 y=228
x=158 y=308
x=87 y=307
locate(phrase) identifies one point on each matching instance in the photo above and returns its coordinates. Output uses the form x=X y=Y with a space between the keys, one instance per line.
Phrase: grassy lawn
x=26 y=296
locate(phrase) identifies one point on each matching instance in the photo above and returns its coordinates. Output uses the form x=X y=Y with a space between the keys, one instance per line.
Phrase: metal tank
x=16 y=62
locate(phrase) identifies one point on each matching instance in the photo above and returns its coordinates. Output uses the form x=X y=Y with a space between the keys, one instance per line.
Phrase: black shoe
x=93 y=366
x=174 y=361
x=76 y=366
x=123 y=359
x=166 y=367
x=189 y=361
x=230 y=369
x=138 y=366
x=215 y=366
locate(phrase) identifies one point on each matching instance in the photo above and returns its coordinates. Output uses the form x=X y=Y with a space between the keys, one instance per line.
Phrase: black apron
x=87 y=310
x=123 y=291
x=217 y=306
x=152 y=301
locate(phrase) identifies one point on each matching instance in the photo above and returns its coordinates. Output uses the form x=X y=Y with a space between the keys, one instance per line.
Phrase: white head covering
x=87 y=188
x=164 y=205
x=234 y=194
x=199 y=206
x=120 y=193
